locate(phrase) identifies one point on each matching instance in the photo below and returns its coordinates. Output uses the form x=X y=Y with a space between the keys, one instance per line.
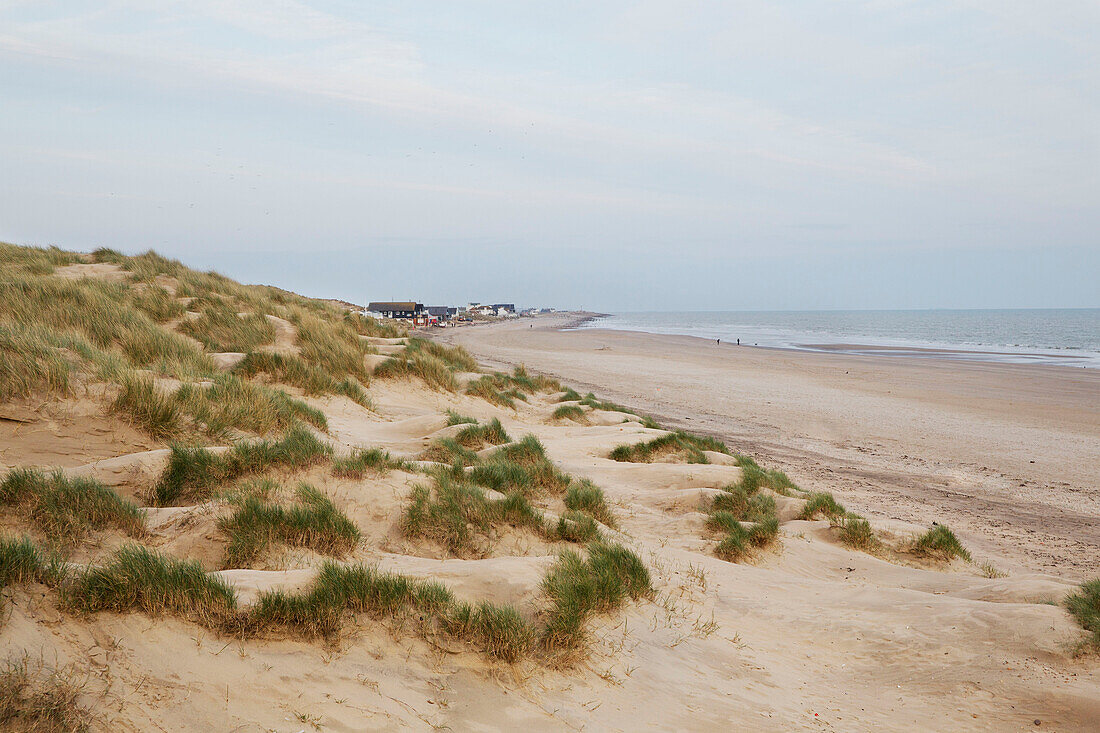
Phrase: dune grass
x=228 y=402
x=137 y=578
x=38 y=699
x=576 y=526
x=499 y=631
x=570 y=412
x=455 y=357
x=30 y=363
x=476 y=437
x=585 y=496
x=294 y=370
x=739 y=504
x=488 y=388
x=450 y=451
x=66 y=508
x=753 y=478
x=452 y=510
x=220 y=328
x=313 y=522
x=332 y=345
x=367 y=326
x=738 y=542
x=570 y=395
x=679 y=444
x=432 y=371
x=856 y=532
x=1084 y=606
x=363 y=460
x=455 y=418
x=577 y=588
x=743 y=504
x=941 y=543
x=157 y=303
x=822 y=503
x=521 y=468
x=33 y=260
x=194 y=473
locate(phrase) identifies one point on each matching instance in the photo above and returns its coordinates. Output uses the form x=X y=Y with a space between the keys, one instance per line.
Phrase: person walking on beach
x=739 y=341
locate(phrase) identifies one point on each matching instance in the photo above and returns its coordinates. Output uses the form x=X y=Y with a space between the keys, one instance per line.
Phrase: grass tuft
x=432 y=371
x=822 y=502
x=856 y=532
x=41 y=700
x=940 y=542
x=679 y=444
x=1084 y=606
x=314 y=522
x=136 y=578
x=65 y=509
x=585 y=496
x=194 y=473
x=363 y=460
x=570 y=412
x=476 y=437
x=455 y=357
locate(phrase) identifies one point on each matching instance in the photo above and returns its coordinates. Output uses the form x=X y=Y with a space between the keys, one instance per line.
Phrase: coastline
x=1005 y=453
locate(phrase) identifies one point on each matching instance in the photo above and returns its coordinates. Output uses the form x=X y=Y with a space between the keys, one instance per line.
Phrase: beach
x=1008 y=455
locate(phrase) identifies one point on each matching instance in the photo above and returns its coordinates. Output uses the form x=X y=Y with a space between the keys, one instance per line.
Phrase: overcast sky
x=611 y=155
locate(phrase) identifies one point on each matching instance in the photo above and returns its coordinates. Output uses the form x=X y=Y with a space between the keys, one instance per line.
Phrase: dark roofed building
x=397 y=309
x=504 y=307
x=440 y=311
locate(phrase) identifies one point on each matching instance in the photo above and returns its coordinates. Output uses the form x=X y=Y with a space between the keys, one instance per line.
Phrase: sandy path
x=1009 y=455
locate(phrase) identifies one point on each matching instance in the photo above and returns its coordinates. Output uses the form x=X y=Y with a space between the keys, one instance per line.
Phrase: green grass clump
x=753 y=478
x=362 y=460
x=29 y=363
x=20 y=561
x=332 y=345
x=585 y=496
x=231 y=402
x=147 y=407
x=822 y=502
x=570 y=395
x=452 y=510
x=577 y=527
x=522 y=468
x=314 y=522
x=940 y=542
x=288 y=369
x=455 y=357
x=570 y=412
x=476 y=437
x=194 y=473
x=738 y=542
x=432 y=371
x=578 y=588
x=41 y=700
x=499 y=631
x=18 y=260
x=136 y=578
x=367 y=326
x=856 y=532
x=486 y=388
x=157 y=303
x=591 y=401
x=220 y=328
x=685 y=446
x=65 y=509
x=1084 y=606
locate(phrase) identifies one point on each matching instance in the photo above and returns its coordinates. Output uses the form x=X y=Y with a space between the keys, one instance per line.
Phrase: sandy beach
x=1008 y=455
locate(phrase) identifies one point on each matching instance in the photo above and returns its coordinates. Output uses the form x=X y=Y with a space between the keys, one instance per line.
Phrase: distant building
x=398 y=309
x=504 y=308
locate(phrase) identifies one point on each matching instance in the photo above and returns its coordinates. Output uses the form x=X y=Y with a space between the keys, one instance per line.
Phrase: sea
x=1064 y=336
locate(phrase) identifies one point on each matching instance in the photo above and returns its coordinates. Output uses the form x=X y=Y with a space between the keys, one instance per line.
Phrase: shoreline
x=1004 y=453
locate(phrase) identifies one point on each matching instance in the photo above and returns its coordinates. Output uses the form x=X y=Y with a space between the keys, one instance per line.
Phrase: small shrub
x=940 y=542
x=65 y=508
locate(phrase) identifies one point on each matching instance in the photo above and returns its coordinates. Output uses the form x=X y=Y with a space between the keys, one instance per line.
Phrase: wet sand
x=1008 y=455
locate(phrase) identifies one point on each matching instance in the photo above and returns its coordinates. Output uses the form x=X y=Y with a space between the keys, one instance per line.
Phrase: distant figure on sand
x=738 y=341
x=719 y=341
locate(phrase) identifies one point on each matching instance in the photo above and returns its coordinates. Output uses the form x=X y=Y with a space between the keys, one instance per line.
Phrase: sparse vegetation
x=822 y=502
x=941 y=543
x=38 y=699
x=454 y=418
x=1084 y=606
x=66 y=508
x=313 y=522
x=193 y=473
x=680 y=445
x=570 y=395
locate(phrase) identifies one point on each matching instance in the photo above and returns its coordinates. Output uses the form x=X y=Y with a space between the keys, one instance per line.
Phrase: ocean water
x=1069 y=337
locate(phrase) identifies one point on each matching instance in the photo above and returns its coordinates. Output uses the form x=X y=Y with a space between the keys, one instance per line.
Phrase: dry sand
x=809 y=636
x=1008 y=455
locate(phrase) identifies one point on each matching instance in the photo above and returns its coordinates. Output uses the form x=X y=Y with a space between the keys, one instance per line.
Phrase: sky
x=679 y=155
